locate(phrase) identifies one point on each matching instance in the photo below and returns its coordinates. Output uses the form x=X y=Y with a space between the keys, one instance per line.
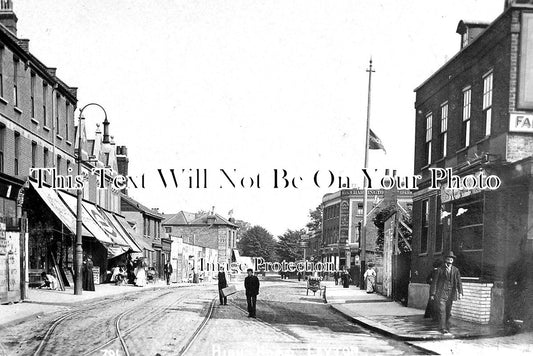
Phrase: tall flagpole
x=362 y=257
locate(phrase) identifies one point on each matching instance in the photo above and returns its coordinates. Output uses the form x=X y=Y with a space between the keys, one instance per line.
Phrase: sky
x=249 y=87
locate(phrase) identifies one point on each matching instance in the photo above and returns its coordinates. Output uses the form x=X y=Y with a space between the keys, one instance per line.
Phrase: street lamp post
x=79 y=196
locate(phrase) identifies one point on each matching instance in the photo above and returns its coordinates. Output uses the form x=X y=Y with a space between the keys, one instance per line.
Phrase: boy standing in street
x=251 y=284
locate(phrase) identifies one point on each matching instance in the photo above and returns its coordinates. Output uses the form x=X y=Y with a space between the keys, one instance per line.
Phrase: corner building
x=475 y=115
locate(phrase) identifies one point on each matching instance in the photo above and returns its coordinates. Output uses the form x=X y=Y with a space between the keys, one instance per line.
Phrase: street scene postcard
x=266 y=177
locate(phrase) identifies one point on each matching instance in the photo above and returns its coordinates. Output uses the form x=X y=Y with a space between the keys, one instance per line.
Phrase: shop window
x=439 y=238
x=468 y=226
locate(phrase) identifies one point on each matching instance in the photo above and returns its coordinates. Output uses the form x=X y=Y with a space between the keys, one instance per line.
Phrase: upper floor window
x=2 y=72
x=45 y=162
x=67 y=108
x=487 y=102
x=15 y=82
x=429 y=133
x=443 y=129
x=57 y=114
x=467 y=106
x=33 y=157
x=359 y=209
x=32 y=94
x=45 y=95
x=2 y=146
x=16 y=149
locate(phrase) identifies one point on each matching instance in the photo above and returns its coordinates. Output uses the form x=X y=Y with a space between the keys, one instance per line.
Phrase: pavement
x=390 y=318
x=45 y=301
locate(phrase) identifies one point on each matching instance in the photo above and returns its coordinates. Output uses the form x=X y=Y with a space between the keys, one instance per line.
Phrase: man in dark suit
x=168 y=271
x=222 y=283
x=445 y=288
x=251 y=284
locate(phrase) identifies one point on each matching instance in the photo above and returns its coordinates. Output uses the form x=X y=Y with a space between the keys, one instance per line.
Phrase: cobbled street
x=189 y=320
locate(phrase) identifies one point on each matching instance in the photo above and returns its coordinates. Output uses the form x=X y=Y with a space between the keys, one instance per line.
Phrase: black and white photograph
x=266 y=177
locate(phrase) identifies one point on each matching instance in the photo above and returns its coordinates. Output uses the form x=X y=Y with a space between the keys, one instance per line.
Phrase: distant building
x=475 y=116
x=342 y=217
x=147 y=223
x=208 y=230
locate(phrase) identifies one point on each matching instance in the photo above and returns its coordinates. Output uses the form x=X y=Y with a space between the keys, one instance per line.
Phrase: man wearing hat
x=445 y=288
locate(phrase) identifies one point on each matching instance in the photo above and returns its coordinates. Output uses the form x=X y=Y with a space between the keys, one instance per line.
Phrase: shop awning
x=57 y=206
x=123 y=233
x=138 y=240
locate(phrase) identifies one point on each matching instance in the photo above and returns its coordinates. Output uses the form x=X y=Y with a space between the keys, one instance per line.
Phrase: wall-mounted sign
x=520 y=122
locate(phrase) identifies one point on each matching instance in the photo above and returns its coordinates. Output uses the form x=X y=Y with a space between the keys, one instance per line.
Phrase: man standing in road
x=445 y=288
x=168 y=271
x=222 y=283
x=251 y=284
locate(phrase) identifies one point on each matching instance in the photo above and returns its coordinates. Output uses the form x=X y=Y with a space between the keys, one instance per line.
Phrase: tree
x=288 y=246
x=258 y=242
x=382 y=216
x=315 y=225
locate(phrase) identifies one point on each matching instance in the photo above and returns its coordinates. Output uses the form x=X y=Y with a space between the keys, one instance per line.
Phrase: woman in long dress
x=370 y=278
x=140 y=275
x=88 y=275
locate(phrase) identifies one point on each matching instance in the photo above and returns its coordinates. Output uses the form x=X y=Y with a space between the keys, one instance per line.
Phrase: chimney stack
x=7 y=16
x=106 y=131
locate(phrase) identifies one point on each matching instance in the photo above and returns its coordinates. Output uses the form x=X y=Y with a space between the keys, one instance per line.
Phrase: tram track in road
x=121 y=335
x=46 y=339
x=199 y=329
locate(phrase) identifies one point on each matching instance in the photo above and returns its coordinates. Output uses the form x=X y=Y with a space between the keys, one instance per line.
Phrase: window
x=440 y=231
x=487 y=102
x=15 y=84
x=168 y=229
x=58 y=166
x=2 y=72
x=33 y=157
x=68 y=167
x=467 y=104
x=468 y=226
x=32 y=94
x=67 y=108
x=443 y=129
x=2 y=146
x=359 y=209
x=45 y=95
x=16 y=149
x=429 y=132
x=45 y=162
x=425 y=227
x=57 y=114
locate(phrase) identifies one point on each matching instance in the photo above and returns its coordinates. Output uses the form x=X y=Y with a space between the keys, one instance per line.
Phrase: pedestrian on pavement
x=87 y=274
x=140 y=274
x=336 y=277
x=168 y=271
x=251 y=284
x=345 y=278
x=445 y=288
x=431 y=310
x=370 y=278
x=222 y=283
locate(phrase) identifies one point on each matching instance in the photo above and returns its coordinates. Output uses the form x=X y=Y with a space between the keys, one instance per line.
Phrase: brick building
x=146 y=223
x=474 y=115
x=342 y=217
x=209 y=230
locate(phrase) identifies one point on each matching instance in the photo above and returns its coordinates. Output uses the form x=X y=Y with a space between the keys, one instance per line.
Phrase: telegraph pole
x=362 y=257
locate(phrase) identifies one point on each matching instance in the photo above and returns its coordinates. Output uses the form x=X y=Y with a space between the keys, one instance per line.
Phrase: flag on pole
x=375 y=143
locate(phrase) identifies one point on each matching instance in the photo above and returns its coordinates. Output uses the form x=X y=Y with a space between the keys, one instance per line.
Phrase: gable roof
x=140 y=207
x=181 y=218
x=218 y=220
